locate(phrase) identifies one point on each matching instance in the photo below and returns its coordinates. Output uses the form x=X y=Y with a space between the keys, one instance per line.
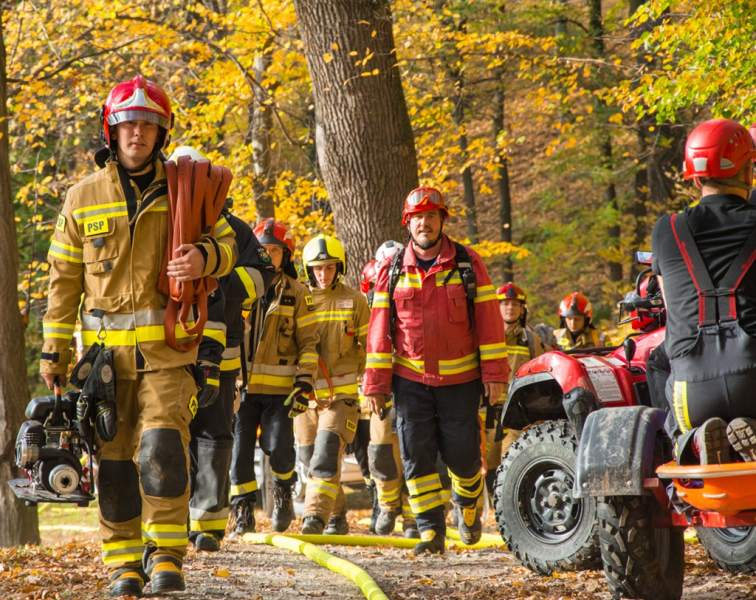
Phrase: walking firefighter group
x=398 y=371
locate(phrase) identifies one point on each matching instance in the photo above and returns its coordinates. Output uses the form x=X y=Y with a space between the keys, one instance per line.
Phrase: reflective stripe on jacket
x=343 y=319
x=432 y=341
x=97 y=264
x=566 y=341
x=288 y=347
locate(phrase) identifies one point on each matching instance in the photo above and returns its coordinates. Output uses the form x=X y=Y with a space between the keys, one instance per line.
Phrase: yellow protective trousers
x=322 y=435
x=143 y=478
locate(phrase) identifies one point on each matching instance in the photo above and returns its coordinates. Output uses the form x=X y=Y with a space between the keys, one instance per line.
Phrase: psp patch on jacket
x=61 y=224
x=310 y=303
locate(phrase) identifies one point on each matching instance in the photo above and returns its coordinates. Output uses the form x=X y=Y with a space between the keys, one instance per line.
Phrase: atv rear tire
x=732 y=549
x=542 y=524
x=640 y=562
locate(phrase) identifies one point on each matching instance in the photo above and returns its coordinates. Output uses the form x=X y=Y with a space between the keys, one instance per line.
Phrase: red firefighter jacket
x=432 y=342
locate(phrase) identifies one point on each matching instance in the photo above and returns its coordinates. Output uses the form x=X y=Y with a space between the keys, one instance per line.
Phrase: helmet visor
x=417 y=197
x=139 y=115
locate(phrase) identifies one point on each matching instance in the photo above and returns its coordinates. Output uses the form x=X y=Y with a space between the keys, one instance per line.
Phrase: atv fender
x=617 y=451
x=534 y=397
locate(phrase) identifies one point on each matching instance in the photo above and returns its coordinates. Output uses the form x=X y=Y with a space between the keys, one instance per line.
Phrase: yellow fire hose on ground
x=338 y=565
x=303 y=544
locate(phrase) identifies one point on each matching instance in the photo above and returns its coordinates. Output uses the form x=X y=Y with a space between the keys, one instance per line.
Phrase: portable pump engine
x=50 y=448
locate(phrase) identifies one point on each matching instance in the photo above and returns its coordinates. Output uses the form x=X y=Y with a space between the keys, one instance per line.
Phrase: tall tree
x=365 y=144
x=18 y=524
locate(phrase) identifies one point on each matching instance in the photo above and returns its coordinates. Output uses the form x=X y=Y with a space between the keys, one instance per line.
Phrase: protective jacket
x=565 y=340
x=287 y=327
x=433 y=341
x=343 y=319
x=105 y=257
x=242 y=287
x=523 y=345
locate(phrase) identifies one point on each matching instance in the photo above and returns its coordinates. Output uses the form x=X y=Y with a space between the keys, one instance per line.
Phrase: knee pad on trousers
x=325 y=460
x=162 y=463
x=305 y=455
x=118 y=487
x=382 y=463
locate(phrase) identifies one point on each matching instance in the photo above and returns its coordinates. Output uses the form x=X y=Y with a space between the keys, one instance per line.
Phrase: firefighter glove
x=106 y=419
x=83 y=416
x=210 y=385
x=298 y=397
x=386 y=410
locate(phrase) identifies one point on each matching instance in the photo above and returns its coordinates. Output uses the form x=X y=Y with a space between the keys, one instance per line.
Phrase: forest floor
x=67 y=566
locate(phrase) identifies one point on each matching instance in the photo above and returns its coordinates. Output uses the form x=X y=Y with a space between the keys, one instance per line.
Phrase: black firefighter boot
x=244 y=517
x=338 y=525
x=431 y=542
x=283 y=508
x=372 y=489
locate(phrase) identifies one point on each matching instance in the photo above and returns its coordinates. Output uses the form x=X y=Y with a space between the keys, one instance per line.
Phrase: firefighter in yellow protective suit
x=324 y=429
x=576 y=329
x=523 y=345
x=284 y=359
x=105 y=258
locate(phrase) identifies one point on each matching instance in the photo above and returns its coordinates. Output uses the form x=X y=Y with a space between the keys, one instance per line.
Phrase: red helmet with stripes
x=138 y=100
x=509 y=291
x=576 y=305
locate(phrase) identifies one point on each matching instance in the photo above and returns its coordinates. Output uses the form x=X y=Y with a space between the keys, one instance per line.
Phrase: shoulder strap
x=395 y=271
x=468 y=277
x=531 y=343
x=715 y=305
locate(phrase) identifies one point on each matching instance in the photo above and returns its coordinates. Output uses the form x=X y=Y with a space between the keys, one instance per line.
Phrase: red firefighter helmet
x=509 y=291
x=576 y=305
x=275 y=233
x=718 y=148
x=138 y=100
x=422 y=199
x=369 y=276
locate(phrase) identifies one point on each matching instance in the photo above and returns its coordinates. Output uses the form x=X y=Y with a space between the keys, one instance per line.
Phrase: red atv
x=646 y=501
x=541 y=521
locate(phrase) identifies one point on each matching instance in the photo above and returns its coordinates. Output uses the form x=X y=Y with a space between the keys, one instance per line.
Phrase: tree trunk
x=596 y=28
x=262 y=124
x=18 y=524
x=505 y=196
x=467 y=180
x=365 y=145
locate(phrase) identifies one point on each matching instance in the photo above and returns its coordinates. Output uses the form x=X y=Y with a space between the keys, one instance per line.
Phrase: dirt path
x=71 y=570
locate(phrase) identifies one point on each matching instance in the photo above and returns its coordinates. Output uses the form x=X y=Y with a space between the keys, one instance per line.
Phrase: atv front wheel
x=545 y=527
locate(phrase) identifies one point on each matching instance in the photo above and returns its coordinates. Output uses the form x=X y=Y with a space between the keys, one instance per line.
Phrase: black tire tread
x=744 y=568
x=588 y=555
x=628 y=550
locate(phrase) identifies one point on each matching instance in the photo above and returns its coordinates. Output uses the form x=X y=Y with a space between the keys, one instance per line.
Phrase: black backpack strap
x=707 y=299
x=463 y=264
x=395 y=271
x=531 y=343
x=737 y=271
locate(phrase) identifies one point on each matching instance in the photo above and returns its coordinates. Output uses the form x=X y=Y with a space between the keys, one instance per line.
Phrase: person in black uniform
x=703 y=258
x=212 y=440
